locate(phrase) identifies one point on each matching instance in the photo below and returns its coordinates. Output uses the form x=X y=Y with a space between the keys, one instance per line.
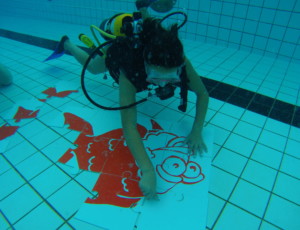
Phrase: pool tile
x=215 y=206
x=259 y=174
x=68 y=199
x=20 y=152
x=10 y=181
x=291 y=166
x=250 y=197
x=44 y=138
x=38 y=217
x=221 y=183
x=240 y=145
x=25 y=199
x=233 y=218
x=247 y=130
x=277 y=127
x=224 y=121
x=33 y=165
x=267 y=156
x=266 y=226
x=3 y=222
x=288 y=187
x=293 y=147
x=273 y=140
x=283 y=213
x=230 y=161
x=50 y=181
x=4 y=165
x=55 y=150
x=254 y=118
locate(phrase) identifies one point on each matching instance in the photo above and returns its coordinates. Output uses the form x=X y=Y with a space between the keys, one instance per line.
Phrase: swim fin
x=59 y=50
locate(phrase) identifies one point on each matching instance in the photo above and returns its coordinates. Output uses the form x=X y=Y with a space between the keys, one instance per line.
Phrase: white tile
x=37 y=218
x=10 y=181
x=20 y=152
x=167 y=114
x=295 y=133
x=24 y=198
x=291 y=166
x=215 y=206
x=221 y=183
x=293 y=148
x=267 y=226
x=283 y=214
x=33 y=165
x=233 y=218
x=44 y=138
x=149 y=108
x=68 y=199
x=250 y=198
x=56 y=149
x=277 y=127
x=221 y=134
x=230 y=161
x=240 y=145
x=77 y=224
x=4 y=165
x=224 y=121
x=267 y=156
x=232 y=110
x=50 y=181
x=3 y=223
x=247 y=130
x=215 y=104
x=87 y=179
x=260 y=175
x=254 y=118
x=288 y=187
x=272 y=140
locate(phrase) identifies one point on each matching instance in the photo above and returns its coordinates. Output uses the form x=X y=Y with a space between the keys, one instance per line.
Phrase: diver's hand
x=148 y=184
x=195 y=143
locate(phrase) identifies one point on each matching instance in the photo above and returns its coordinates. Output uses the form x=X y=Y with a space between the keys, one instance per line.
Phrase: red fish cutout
x=119 y=178
x=23 y=113
x=51 y=92
x=7 y=131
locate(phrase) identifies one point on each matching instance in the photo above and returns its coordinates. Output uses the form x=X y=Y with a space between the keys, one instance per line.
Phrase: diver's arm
x=196 y=85
x=134 y=140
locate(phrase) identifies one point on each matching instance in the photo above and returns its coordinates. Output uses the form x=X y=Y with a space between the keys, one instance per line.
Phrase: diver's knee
x=6 y=77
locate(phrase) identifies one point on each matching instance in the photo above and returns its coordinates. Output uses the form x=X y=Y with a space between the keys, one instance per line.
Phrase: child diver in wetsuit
x=148 y=55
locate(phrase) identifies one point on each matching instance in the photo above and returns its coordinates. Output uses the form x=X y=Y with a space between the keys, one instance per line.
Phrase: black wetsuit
x=122 y=56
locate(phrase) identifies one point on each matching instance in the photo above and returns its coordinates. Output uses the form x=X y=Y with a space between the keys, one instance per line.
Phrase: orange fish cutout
x=51 y=92
x=23 y=113
x=7 y=131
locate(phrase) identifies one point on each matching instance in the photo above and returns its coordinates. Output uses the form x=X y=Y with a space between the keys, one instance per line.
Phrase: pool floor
x=255 y=176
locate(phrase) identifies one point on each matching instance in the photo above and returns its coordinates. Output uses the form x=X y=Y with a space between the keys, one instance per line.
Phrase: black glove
x=143 y=3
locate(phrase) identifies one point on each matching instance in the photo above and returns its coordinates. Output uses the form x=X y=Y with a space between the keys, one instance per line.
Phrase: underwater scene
x=150 y=114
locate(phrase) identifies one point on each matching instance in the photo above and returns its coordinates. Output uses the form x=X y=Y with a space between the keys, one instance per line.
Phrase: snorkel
x=162 y=92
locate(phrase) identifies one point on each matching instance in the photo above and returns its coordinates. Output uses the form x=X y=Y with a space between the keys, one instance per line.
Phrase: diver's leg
x=96 y=65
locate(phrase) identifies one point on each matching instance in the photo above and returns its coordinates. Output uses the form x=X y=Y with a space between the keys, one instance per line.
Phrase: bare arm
x=196 y=85
x=133 y=138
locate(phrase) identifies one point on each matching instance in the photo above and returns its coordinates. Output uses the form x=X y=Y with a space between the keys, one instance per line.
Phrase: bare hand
x=148 y=185
x=195 y=144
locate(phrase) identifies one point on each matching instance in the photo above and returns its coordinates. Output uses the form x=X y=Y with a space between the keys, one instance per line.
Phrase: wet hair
x=162 y=46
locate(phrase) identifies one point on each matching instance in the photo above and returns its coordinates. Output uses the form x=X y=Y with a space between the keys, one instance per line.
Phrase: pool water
x=253 y=109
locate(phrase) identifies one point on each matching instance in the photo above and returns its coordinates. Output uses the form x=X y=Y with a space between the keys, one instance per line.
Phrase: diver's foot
x=61 y=45
x=59 y=50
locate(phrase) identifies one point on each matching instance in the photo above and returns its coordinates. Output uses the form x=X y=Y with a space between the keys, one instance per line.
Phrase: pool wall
x=267 y=27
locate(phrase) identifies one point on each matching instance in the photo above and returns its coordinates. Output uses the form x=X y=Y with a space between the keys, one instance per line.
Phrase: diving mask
x=162 y=76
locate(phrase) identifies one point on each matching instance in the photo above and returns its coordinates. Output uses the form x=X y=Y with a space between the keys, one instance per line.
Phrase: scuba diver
x=139 y=53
